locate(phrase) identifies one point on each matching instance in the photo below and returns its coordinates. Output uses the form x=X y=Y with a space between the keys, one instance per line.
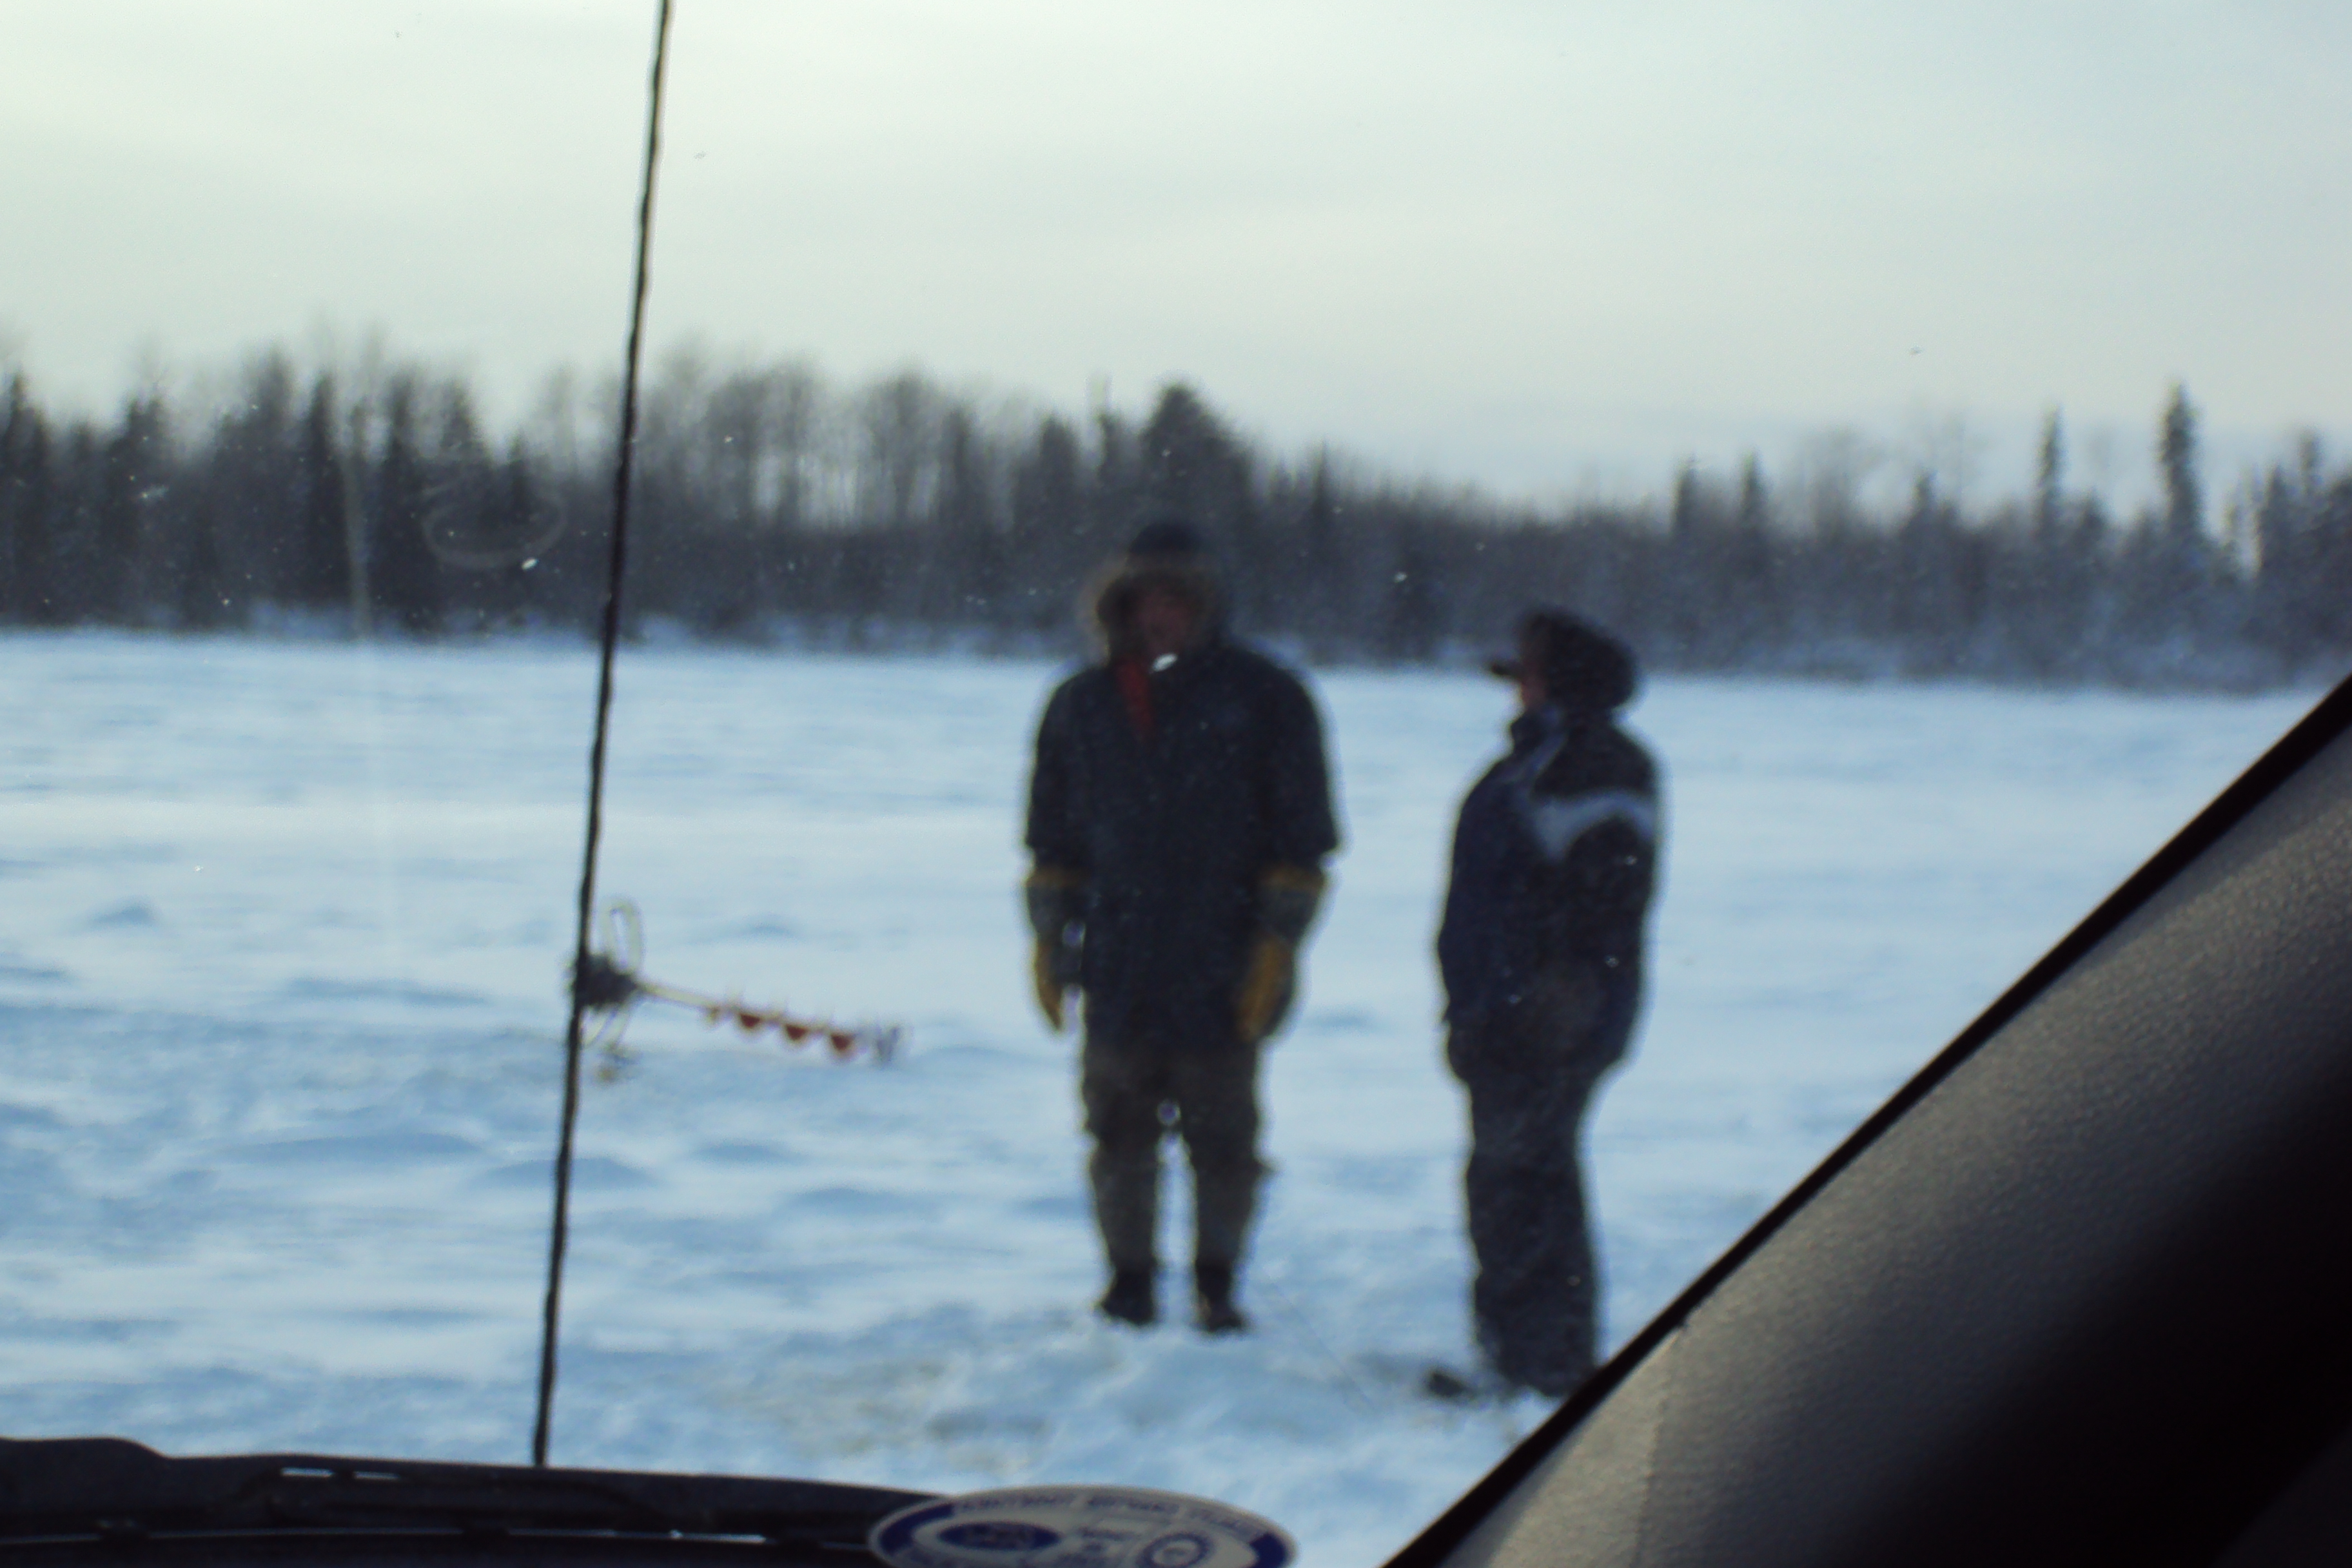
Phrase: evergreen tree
x=2050 y=478
x=467 y=520
x=519 y=512
x=252 y=486
x=134 y=477
x=1692 y=616
x=2175 y=448
x=2329 y=552
x=27 y=498
x=403 y=575
x=1051 y=540
x=1928 y=613
x=2304 y=562
x=2092 y=553
x=1323 y=585
x=76 y=570
x=316 y=573
x=200 y=571
x=965 y=524
x=1753 y=614
x=2166 y=566
x=320 y=573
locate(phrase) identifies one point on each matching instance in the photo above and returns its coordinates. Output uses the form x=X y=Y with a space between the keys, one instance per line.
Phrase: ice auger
x=612 y=982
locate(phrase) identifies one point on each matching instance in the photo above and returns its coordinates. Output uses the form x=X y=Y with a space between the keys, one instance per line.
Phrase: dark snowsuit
x=1541 y=954
x=1172 y=837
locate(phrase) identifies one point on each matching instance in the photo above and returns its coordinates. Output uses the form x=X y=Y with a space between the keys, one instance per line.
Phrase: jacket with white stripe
x=1554 y=858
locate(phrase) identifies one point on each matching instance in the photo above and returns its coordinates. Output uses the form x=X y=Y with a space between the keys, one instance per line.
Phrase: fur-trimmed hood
x=1166 y=552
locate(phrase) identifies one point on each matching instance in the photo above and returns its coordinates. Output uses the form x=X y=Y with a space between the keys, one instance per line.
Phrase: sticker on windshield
x=1078 y=1527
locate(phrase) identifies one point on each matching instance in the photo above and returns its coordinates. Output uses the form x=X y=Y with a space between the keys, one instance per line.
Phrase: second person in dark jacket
x=1540 y=952
x=1180 y=813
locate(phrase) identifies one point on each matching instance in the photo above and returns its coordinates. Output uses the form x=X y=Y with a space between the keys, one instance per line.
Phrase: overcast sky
x=1552 y=247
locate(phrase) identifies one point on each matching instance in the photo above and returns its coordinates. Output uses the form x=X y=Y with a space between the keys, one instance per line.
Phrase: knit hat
x=1580 y=665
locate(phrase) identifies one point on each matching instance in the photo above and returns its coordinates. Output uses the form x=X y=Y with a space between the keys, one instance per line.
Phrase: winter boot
x=1476 y=1386
x=1133 y=1297
x=1213 y=1293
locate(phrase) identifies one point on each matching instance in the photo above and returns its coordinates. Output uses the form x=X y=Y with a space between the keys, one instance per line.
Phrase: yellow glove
x=1288 y=898
x=1045 y=974
x=1056 y=904
x=1265 y=988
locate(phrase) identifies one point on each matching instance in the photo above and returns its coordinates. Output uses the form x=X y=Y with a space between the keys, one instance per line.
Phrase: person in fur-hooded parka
x=1180 y=813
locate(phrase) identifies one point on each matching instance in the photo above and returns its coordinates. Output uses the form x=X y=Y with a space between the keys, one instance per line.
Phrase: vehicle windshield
x=1937 y=409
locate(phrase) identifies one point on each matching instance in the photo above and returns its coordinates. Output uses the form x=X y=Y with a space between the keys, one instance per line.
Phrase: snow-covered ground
x=281 y=935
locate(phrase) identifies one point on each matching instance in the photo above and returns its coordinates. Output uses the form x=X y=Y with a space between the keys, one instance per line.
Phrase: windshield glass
x=1886 y=387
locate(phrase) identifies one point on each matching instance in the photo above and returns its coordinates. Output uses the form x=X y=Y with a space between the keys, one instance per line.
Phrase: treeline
x=770 y=505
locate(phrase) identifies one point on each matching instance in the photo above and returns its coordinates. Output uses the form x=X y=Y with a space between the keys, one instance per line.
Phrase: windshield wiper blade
x=110 y=1487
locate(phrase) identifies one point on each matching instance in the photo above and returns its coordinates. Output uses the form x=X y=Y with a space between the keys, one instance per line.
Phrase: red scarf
x=1135 y=685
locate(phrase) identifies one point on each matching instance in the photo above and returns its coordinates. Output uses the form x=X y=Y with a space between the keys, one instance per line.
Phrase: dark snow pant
x=1531 y=1073
x=1135 y=1092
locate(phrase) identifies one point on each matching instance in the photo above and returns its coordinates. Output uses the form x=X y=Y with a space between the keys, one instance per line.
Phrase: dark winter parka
x=1173 y=835
x=1553 y=860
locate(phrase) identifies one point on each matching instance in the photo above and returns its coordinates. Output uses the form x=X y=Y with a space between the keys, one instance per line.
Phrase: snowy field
x=280 y=1010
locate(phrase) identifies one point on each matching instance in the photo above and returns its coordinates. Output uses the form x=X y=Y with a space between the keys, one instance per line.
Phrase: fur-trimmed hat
x=1581 y=666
